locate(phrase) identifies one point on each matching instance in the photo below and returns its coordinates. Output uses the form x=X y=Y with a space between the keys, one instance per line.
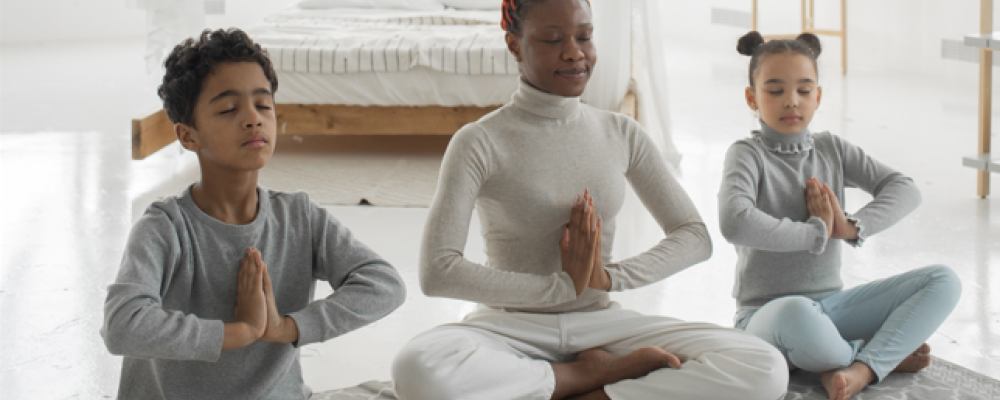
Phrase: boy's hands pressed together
x=250 y=313
x=280 y=329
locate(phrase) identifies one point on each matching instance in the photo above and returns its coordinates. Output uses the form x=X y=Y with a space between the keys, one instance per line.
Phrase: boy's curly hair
x=192 y=60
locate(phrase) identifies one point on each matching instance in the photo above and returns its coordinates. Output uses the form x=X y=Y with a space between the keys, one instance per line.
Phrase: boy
x=213 y=296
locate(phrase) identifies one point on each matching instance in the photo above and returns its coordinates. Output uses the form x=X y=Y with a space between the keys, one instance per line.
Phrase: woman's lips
x=575 y=73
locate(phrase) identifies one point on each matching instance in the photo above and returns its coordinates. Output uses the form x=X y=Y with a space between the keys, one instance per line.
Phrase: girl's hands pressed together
x=842 y=227
x=818 y=203
x=579 y=240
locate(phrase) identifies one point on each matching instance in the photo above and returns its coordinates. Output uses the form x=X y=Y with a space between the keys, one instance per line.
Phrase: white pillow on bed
x=429 y=5
x=474 y=4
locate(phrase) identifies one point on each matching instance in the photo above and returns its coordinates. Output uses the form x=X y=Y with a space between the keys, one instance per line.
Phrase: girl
x=547 y=328
x=780 y=204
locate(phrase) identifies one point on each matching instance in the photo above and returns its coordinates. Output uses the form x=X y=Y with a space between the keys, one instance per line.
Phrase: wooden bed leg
x=151 y=133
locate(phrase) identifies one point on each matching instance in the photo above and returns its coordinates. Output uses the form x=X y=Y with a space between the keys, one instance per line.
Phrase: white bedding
x=344 y=41
x=416 y=87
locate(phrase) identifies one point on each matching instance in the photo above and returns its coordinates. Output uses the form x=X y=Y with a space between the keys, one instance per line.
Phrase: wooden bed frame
x=155 y=131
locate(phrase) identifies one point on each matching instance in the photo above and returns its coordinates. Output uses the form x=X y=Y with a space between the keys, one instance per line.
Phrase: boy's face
x=235 y=119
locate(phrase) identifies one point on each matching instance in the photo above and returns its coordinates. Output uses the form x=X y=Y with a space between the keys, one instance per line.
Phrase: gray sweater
x=177 y=286
x=521 y=167
x=781 y=249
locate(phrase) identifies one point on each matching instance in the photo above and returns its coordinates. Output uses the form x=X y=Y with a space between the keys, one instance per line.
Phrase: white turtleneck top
x=521 y=167
x=782 y=250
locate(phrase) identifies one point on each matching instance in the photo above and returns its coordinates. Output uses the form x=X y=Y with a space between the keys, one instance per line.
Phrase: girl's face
x=555 y=50
x=787 y=93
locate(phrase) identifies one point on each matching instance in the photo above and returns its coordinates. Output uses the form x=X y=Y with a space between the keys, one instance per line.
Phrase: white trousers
x=499 y=355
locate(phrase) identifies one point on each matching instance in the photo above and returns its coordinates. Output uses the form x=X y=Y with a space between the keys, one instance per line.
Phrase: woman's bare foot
x=843 y=384
x=916 y=361
x=598 y=394
x=595 y=368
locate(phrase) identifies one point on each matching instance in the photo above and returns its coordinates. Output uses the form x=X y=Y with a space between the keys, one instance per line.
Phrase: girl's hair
x=752 y=44
x=513 y=12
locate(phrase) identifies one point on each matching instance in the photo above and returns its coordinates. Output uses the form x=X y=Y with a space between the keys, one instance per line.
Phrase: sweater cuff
x=309 y=332
x=820 y=238
x=211 y=349
x=616 y=282
x=862 y=232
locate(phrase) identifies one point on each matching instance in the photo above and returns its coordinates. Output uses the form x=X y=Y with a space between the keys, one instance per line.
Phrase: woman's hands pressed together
x=580 y=247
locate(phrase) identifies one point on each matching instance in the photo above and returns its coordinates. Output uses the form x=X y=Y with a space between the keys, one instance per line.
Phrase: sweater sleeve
x=135 y=323
x=743 y=224
x=444 y=270
x=366 y=288
x=687 y=241
x=894 y=195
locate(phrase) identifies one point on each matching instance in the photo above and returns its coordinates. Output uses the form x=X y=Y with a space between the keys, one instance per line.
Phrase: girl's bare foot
x=595 y=368
x=843 y=384
x=916 y=361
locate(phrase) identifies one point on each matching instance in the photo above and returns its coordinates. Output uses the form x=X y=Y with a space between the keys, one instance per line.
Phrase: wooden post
x=843 y=35
x=754 y=17
x=985 y=94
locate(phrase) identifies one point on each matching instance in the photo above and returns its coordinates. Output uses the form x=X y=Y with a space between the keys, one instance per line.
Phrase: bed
x=398 y=71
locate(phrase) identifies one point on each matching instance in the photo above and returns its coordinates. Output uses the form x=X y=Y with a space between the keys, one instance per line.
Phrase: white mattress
x=389 y=57
x=416 y=87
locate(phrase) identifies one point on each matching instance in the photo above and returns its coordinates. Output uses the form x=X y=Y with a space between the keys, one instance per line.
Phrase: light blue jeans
x=879 y=323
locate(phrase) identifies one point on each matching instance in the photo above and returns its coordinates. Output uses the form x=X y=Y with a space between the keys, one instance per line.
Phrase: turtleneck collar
x=785 y=144
x=548 y=105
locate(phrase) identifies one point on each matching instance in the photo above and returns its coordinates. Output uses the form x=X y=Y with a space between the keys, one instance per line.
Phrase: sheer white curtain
x=627 y=38
x=649 y=67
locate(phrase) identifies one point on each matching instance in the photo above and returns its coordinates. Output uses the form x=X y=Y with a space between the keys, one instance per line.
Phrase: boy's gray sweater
x=781 y=249
x=177 y=286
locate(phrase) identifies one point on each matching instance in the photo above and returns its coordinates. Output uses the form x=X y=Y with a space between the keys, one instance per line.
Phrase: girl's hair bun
x=749 y=43
x=812 y=41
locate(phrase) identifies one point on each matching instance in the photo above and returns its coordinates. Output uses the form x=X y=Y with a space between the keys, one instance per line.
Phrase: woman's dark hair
x=513 y=12
x=752 y=44
x=192 y=60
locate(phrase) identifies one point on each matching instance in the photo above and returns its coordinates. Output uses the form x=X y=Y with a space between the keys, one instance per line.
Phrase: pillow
x=474 y=4
x=428 y=5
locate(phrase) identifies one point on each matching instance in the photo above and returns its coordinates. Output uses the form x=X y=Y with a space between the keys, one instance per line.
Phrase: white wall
x=41 y=21
x=890 y=35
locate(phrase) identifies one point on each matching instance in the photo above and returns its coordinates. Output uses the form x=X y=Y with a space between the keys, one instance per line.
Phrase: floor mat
x=942 y=380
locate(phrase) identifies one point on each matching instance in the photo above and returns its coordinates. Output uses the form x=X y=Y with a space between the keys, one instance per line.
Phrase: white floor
x=71 y=192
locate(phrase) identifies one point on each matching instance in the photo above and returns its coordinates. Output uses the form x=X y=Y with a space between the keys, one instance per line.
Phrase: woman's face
x=555 y=48
x=787 y=93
